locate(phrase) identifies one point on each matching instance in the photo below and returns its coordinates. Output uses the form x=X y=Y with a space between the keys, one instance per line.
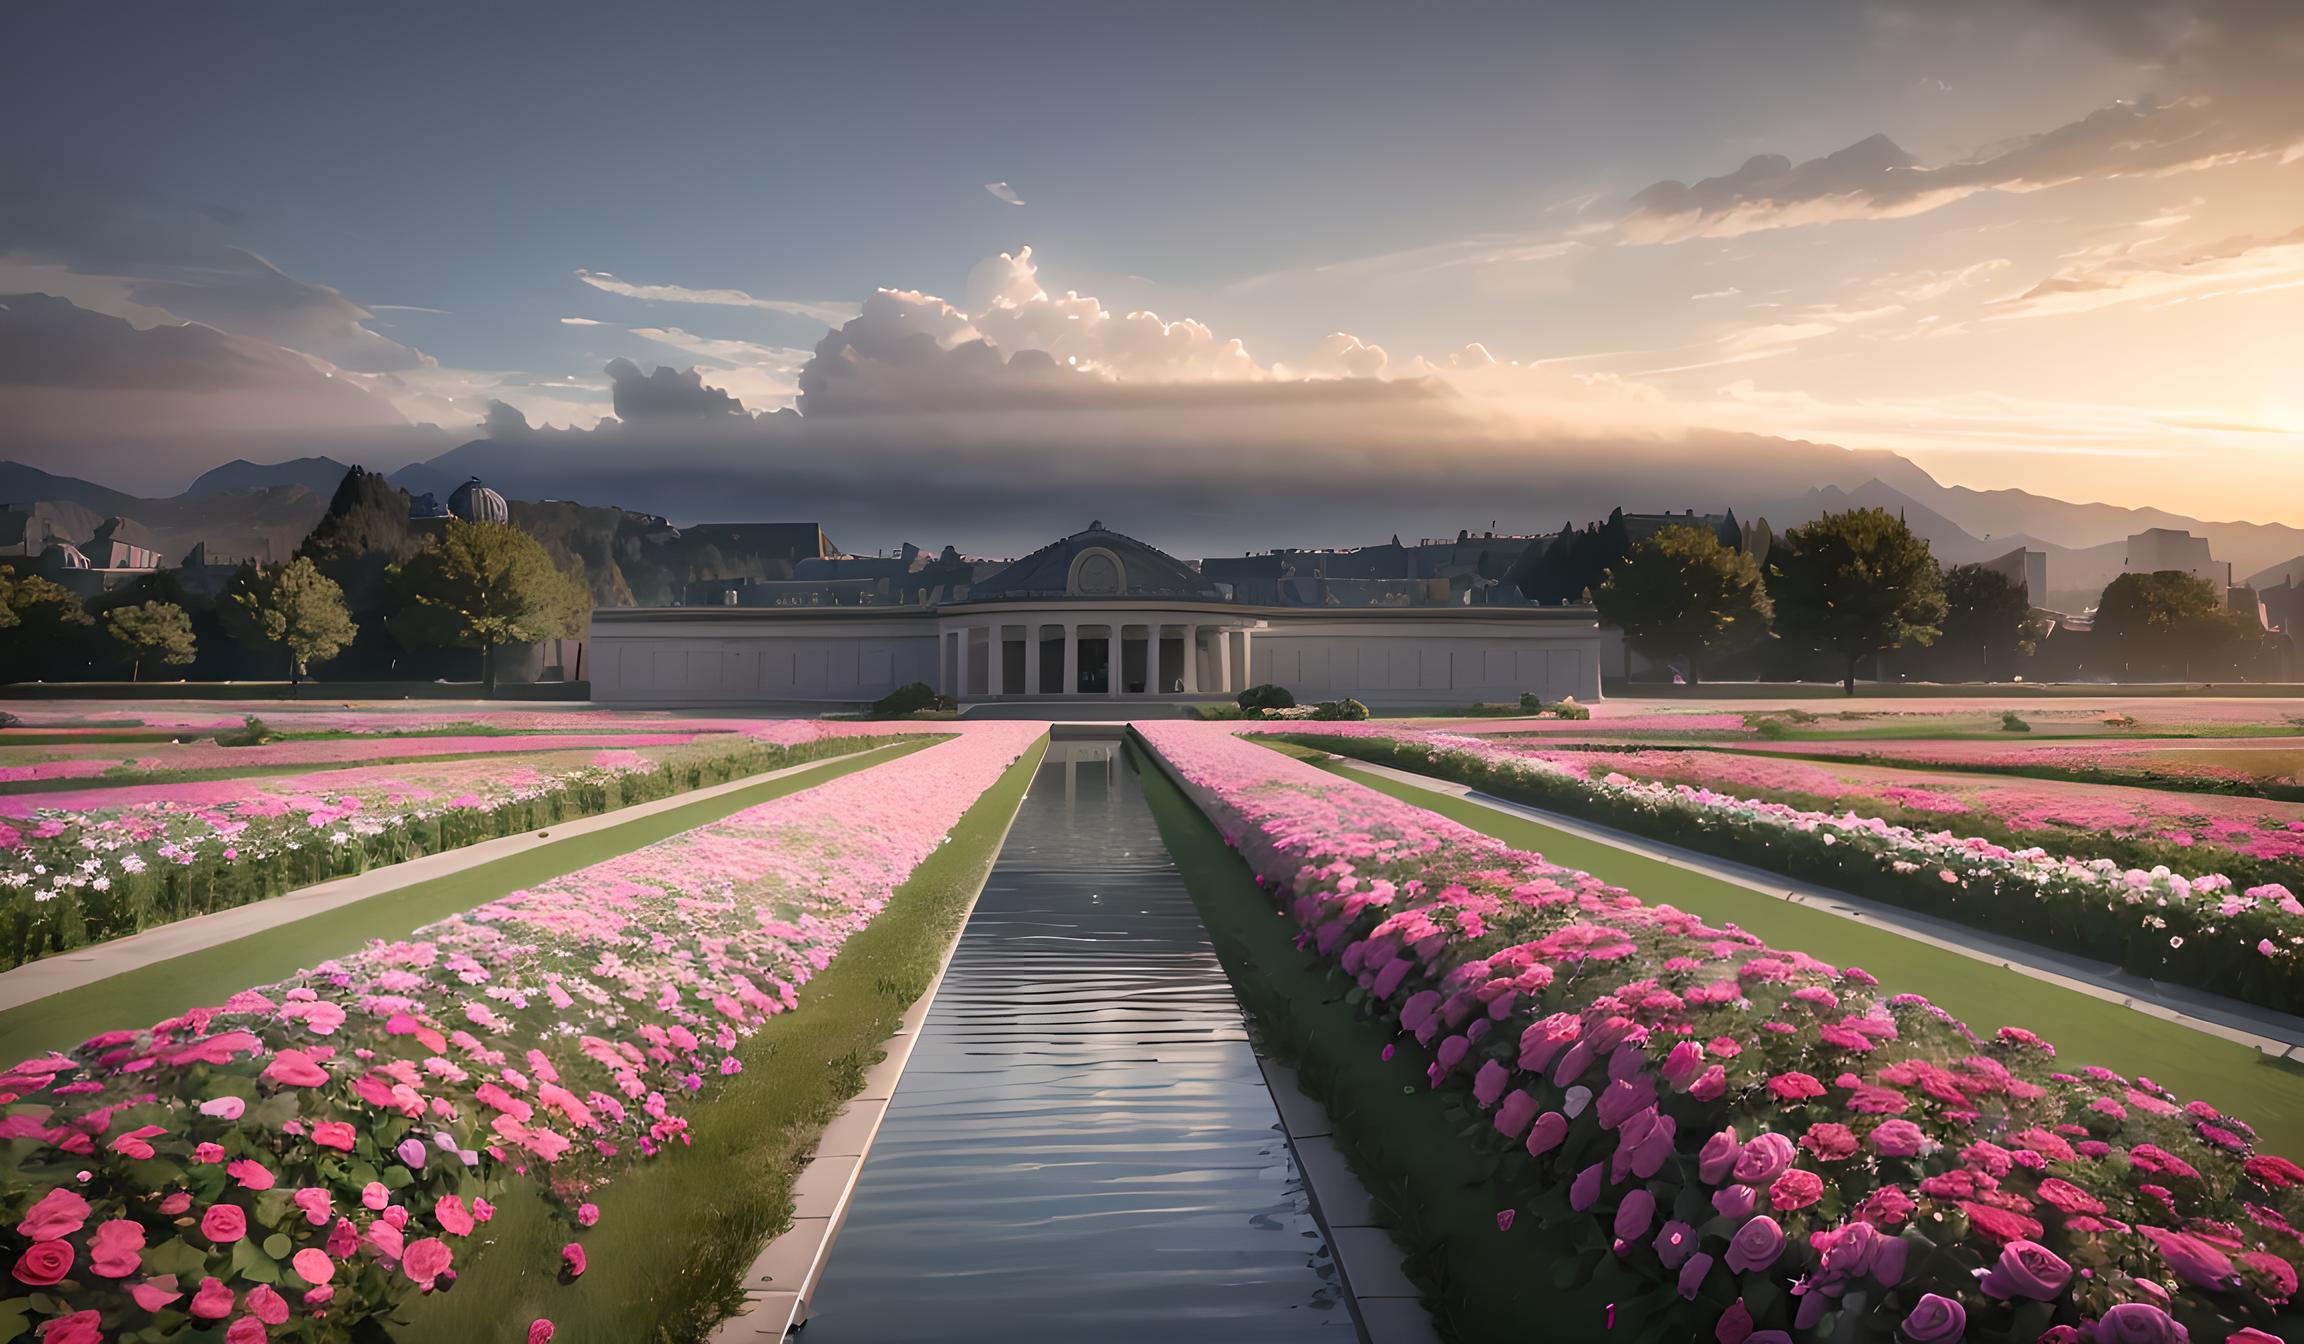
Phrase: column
x=1115 y=659
x=1071 y=683
x=1247 y=660
x=960 y=666
x=1224 y=662
x=1191 y=660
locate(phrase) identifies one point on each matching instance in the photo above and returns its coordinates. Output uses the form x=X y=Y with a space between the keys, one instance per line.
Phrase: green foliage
x=154 y=631
x=1347 y=710
x=1267 y=696
x=252 y=732
x=293 y=608
x=1772 y=728
x=2012 y=722
x=1681 y=594
x=1856 y=583
x=912 y=698
x=48 y=625
x=1567 y=708
x=2170 y=623
x=485 y=585
x=1985 y=610
x=1531 y=703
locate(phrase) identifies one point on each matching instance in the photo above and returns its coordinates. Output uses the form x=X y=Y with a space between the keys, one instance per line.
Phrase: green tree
x=1988 y=613
x=1856 y=583
x=158 y=631
x=482 y=586
x=1682 y=594
x=48 y=628
x=2170 y=623
x=294 y=608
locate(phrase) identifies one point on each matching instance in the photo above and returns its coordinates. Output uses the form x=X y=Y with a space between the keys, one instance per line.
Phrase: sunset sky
x=2055 y=244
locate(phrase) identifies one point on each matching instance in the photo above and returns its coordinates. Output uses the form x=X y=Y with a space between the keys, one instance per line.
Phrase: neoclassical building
x=1095 y=614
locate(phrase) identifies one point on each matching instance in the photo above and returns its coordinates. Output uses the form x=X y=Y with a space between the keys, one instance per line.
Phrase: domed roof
x=476 y=503
x=1096 y=563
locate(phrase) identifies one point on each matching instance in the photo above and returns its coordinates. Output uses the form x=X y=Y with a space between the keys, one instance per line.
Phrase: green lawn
x=164 y=989
x=1407 y=1145
x=2266 y=1093
x=677 y=1232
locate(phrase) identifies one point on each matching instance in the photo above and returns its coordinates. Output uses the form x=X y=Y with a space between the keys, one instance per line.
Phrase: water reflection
x=1081 y=1147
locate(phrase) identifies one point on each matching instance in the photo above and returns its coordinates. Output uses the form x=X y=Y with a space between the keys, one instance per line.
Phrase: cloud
x=1340 y=354
x=91 y=394
x=666 y=394
x=820 y=310
x=2234 y=267
x=580 y=322
x=2230 y=95
x=242 y=292
x=1001 y=191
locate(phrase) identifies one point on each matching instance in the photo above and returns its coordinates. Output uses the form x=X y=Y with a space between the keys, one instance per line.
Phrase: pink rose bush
x=2205 y=930
x=1787 y=1148
x=82 y=866
x=329 y=1145
x=2261 y=766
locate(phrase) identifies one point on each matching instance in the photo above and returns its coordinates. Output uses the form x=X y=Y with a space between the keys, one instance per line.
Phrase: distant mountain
x=320 y=475
x=20 y=484
x=261 y=521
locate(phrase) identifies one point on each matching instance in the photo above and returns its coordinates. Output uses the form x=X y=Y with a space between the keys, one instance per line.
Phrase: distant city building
x=2158 y=550
x=476 y=503
x=115 y=555
x=427 y=505
x=2027 y=568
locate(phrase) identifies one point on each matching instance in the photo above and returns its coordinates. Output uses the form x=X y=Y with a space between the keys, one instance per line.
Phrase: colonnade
x=1225 y=649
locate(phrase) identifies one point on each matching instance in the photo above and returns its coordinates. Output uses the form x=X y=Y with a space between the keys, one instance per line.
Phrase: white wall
x=1429 y=666
x=639 y=668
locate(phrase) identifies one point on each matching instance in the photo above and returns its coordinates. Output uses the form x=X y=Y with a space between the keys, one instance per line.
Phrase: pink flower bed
x=1730 y=1120
x=2065 y=815
x=209 y=756
x=2228 y=759
x=295 y=1162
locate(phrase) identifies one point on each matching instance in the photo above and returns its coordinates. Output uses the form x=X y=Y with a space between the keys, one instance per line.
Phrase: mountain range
x=249 y=508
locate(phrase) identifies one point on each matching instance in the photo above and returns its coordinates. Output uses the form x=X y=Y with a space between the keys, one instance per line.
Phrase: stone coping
x=2275 y=1034
x=83 y=966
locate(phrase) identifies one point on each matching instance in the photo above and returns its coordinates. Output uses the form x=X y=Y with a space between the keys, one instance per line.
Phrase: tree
x=1682 y=594
x=1986 y=611
x=1856 y=583
x=155 y=630
x=484 y=585
x=48 y=627
x=294 y=608
x=2169 y=621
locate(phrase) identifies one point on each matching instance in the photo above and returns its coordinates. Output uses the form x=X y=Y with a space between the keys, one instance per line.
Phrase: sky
x=2048 y=244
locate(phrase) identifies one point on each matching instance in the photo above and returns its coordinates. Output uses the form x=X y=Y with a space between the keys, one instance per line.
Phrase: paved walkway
x=83 y=966
x=2273 y=1033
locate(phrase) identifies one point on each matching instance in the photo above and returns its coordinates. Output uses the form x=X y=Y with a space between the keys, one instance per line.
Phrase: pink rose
x=453 y=1216
x=81 y=1327
x=1936 y=1320
x=267 y=1304
x=117 y=1249
x=539 y=1332
x=246 y=1330
x=1897 y=1138
x=59 y=1214
x=572 y=1260
x=313 y=1265
x=213 y=1302
x=2027 y=1269
x=224 y=1223
x=426 y=1260
x=155 y=1293
x=1755 y=1246
x=1795 y=1189
x=1829 y=1142
x=2195 y=1261
x=2137 y=1323
x=44 y=1263
x=1718 y=1157
x=250 y=1174
x=336 y=1134
x=1764 y=1158
x=375 y=1196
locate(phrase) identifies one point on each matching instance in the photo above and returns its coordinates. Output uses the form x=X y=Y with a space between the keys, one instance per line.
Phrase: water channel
x=1081 y=1146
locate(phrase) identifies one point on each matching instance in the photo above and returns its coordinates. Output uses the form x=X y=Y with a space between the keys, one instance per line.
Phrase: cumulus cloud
x=666 y=394
x=1001 y=191
x=1340 y=354
x=821 y=310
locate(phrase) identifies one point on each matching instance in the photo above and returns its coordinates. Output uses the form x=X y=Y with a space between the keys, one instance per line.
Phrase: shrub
x=1771 y=728
x=1267 y=696
x=1340 y=711
x=1569 y=709
x=1531 y=702
x=2011 y=722
x=911 y=699
x=253 y=732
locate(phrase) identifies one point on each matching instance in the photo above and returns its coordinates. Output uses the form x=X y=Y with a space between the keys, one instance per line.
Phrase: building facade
x=1096 y=614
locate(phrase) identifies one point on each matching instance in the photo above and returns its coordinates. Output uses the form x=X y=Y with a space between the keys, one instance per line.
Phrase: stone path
x=2280 y=1035
x=84 y=966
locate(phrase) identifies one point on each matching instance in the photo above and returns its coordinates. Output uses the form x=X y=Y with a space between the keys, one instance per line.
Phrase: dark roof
x=1145 y=572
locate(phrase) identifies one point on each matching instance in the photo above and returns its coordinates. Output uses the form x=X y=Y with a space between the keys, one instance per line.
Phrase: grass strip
x=677 y=1233
x=1406 y=1144
x=163 y=989
x=2266 y=1092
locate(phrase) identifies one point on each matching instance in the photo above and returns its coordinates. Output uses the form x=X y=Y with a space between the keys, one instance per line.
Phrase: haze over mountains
x=1190 y=499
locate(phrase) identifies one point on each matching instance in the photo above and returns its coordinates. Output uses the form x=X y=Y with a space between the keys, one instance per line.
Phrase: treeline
x=1848 y=588
x=364 y=595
